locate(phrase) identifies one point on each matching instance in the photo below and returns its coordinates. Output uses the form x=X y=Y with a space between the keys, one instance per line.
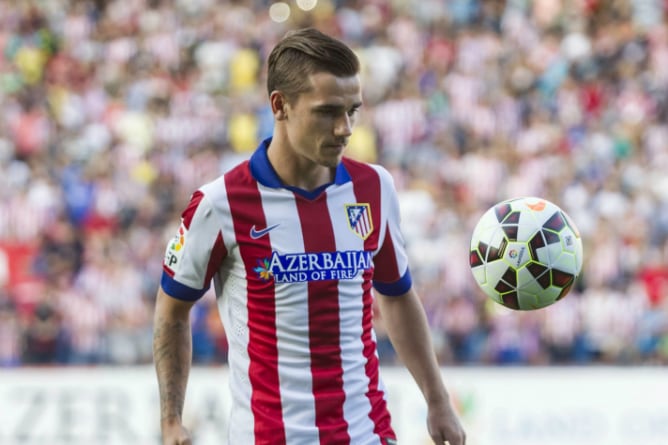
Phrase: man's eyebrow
x=336 y=106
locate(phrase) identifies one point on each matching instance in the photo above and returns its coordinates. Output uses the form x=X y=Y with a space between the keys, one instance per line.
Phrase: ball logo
x=537 y=207
x=517 y=255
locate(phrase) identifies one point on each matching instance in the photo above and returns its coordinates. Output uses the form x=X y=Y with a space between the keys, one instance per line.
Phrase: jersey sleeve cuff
x=399 y=287
x=180 y=291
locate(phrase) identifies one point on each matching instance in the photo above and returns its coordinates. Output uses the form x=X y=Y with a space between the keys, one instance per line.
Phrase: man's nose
x=344 y=126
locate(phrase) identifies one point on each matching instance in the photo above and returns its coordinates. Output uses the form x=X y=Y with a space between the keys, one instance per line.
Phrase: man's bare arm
x=172 y=355
x=407 y=327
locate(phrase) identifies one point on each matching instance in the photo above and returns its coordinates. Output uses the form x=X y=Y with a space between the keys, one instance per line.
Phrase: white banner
x=499 y=406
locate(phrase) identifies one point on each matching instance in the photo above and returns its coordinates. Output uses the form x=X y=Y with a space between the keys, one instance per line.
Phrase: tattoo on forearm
x=171 y=355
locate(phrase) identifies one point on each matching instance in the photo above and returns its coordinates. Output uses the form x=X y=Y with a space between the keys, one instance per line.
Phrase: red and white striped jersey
x=293 y=273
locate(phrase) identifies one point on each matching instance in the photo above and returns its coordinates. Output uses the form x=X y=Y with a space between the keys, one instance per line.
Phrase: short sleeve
x=195 y=252
x=391 y=272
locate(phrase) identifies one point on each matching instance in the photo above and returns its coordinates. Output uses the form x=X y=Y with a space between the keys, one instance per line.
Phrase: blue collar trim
x=264 y=173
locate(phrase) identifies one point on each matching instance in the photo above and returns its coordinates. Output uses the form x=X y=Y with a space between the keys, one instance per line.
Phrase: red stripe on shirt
x=367 y=190
x=324 y=327
x=246 y=208
x=189 y=212
x=218 y=252
x=385 y=262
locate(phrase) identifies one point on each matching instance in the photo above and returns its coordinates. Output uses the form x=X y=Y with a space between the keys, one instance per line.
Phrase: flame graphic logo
x=537 y=207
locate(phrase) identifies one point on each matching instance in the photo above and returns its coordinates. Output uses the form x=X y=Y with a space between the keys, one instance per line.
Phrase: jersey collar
x=264 y=172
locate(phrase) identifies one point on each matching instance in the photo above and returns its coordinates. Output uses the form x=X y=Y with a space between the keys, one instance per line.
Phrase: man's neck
x=298 y=172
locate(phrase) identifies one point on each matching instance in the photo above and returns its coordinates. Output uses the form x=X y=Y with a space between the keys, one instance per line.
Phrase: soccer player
x=297 y=241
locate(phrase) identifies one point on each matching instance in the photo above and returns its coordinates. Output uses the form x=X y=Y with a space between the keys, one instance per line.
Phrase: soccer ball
x=525 y=253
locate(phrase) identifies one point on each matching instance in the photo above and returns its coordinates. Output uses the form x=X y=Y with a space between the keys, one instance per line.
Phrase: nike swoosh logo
x=255 y=234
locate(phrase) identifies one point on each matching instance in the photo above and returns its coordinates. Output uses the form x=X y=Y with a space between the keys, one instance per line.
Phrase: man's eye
x=326 y=111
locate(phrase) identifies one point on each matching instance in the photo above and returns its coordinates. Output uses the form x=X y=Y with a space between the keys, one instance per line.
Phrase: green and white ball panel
x=566 y=262
x=491 y=293
x=495 y=271
x=572 y=243
x=480 y=274
x=526 y=282
x=545 y=298
x=549 y=253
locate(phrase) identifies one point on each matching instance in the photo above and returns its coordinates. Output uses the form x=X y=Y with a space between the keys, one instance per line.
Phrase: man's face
x=319 y=122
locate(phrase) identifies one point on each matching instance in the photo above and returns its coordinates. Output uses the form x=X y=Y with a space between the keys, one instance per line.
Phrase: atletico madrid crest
x=359 y=219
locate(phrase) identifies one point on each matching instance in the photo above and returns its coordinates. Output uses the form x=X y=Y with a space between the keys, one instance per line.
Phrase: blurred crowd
x=113 y=112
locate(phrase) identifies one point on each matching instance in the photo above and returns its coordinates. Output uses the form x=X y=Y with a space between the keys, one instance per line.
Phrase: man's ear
x=279 y=105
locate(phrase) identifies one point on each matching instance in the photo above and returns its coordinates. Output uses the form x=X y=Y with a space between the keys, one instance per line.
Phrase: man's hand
x=443 y=424
x=175 y=434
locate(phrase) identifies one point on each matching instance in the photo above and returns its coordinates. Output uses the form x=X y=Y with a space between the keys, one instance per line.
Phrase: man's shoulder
x=239 y=174
x=360 y=171
x=217 y=192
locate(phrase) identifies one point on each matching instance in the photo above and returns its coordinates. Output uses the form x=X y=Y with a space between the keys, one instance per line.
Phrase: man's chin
x=334 y=161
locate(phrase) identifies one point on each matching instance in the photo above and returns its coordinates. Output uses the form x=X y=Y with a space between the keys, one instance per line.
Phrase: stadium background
x=113 y=112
